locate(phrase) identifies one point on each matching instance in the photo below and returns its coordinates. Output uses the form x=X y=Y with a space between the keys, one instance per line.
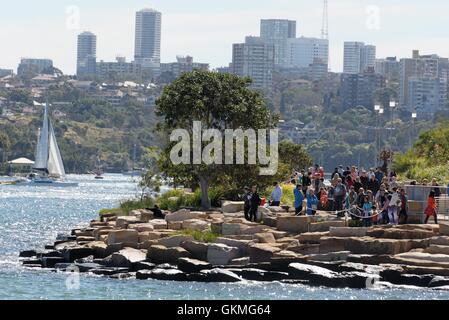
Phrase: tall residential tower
x=147 y=50
x=87 y=54
x=276 y=32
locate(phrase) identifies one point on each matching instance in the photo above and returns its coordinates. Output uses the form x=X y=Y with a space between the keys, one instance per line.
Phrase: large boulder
x=174 y=241
x=162 y=254
x=441 y=241
x=232 y=206
x=254 y=274
x=197 y=249
x=436 y=249
x=444 y=228
x=369 y=245
x=221 y=254
x=97 y=233
x=158 y=224
x=99 y=248
x=304 y=249
x=242 y=245
x=126 y=257
x=347 y=232
x=264 y=237
x=181 y=215
x=324 y=277
x=220 y=275
x=123 y=222
x=325 y=225
x=123 y=236
x=331 y=256
x=192 y=265
x=142 y=227
x=196 y=224
x=311 y=237
x=398 y=233
x=423 y=259
x=228 y=229
x=332 y=244
x=262 y=252
x=161 y=274
x=74 y=253
x=294 y=224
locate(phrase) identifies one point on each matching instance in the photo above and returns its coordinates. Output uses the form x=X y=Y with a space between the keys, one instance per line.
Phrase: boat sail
x=48 y=156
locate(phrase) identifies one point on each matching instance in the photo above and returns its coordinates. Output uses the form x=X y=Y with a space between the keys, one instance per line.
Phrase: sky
x=206 y=29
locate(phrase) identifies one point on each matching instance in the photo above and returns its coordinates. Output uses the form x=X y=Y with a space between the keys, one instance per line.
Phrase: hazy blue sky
x=206 y=29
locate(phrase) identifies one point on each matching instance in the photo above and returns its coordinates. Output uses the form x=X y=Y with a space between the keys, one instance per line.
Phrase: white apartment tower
x=147 y=51
x=358 y=57
x=87 y=54
x=276 y=32
x=254 y=59
x=303 y=52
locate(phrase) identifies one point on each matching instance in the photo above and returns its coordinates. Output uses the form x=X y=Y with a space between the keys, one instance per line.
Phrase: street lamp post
x=414 y=116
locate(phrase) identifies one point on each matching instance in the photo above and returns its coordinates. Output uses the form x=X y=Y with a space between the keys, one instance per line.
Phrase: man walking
x=276 y=195
x=255 y=203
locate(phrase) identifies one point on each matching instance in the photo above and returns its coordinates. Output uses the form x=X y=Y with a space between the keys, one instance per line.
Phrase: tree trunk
x=205 y=201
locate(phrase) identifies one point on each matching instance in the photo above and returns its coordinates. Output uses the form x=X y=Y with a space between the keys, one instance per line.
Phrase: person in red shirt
x=431 y=209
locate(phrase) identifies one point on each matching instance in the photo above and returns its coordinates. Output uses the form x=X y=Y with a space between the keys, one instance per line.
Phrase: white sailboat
x=48 y=166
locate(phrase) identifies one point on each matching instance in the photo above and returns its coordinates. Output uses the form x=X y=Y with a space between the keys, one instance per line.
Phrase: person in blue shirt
x=276 y=195
x=299 y=198
x=312 y=202
x=367 y=209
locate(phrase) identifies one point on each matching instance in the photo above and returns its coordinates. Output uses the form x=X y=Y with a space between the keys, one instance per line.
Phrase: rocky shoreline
x=316 y=250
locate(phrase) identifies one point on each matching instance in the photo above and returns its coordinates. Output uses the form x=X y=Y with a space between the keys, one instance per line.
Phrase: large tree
x=219 y=101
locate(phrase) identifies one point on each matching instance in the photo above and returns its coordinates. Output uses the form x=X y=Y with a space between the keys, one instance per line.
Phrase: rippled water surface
x=31 y=217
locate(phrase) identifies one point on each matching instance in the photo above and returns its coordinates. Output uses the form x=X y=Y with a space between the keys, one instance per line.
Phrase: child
x=323 y=199
x=376 y=217
x=312 y=202
x=367 y=207
x=431 y=209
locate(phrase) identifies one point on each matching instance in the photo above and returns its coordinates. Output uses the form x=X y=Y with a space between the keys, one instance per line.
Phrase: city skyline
x=207 y=31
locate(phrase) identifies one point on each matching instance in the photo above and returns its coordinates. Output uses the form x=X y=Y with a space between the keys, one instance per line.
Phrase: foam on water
x=31 y=217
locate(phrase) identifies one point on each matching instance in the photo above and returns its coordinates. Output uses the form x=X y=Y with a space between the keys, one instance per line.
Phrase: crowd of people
x=369 y=196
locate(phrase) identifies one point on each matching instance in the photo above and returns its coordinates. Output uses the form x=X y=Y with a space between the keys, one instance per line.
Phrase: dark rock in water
x=86 y=267
x=260 y=275
x=166 y=266
x=89 y=259
x=113 y=248
x=122 y=276
x=30 y=262
x=99 y=261
x=439 y=282
x=220 y=275
x=397 y=276
x=34 y=266
x=192 y=265
x=64 y=266
x=370 y=259
x=27 y=254
x=161 y=274
x=109 y=271
x=50 y=254
x=142 y=265
x=324 y=277
x=49 y=247
x=72 y=254
x=65 y=237
x=50 y=262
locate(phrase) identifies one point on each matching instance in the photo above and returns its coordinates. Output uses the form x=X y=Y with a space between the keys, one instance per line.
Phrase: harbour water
x=31 y=217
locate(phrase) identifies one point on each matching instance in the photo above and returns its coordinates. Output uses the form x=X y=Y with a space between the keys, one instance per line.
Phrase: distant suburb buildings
x=29 y=66
x=147 y=51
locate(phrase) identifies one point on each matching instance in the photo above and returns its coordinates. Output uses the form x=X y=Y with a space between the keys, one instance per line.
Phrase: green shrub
x=201 y=236
x=135 y=204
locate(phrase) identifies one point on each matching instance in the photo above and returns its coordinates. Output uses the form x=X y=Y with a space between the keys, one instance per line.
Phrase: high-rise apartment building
x=358 y=57
x=388 y=67
x=254 y=59
x=358 y=89
x=86 y=54
x=303 y=52
x=276 y=32
x=423 y=82
x=147 y=50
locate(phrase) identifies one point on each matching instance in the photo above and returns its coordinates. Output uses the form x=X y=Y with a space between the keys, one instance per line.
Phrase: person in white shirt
x=276 y=195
